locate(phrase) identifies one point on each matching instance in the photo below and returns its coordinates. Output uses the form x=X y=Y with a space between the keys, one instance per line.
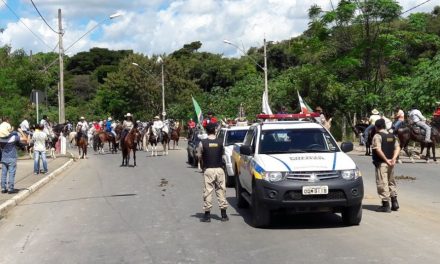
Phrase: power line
x=414 y=7
x=15 y=14
x=43 y=17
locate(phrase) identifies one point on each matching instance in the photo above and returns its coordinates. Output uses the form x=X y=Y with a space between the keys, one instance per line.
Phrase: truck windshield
x=296 y=141
x=235 y=136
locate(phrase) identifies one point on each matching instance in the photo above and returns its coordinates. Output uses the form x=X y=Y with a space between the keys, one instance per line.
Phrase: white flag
x=265 y=104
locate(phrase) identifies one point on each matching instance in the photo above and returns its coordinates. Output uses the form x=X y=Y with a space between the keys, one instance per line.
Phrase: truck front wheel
x=260 y=214
x=241 y=202
x=352 y=215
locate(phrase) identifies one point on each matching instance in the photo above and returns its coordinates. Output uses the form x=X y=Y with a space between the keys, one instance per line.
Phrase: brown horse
x=129 y=144
x=99 y=140
x=175 y=134
x=82 y=144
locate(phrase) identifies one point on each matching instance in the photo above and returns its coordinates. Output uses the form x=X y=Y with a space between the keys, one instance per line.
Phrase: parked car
x=230 y=136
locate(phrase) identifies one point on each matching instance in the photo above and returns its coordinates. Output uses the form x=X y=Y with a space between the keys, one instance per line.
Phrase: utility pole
x=163 y=95
x=61 y=118
x=266 y=90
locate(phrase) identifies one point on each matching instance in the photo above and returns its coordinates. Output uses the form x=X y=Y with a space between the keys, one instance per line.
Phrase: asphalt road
x=98 y=212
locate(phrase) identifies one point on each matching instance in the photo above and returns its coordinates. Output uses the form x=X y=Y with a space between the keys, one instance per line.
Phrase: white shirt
x=158 y=124
x=24 y=125
x=39 y=138
x=416 y=116
x=374 y=118
x=84 y=126
x=127 y=124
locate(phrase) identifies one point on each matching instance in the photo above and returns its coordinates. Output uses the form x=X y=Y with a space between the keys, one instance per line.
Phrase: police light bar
x=288 y=116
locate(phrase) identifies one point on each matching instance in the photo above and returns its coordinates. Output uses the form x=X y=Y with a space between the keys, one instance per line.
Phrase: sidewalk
x=27 y=182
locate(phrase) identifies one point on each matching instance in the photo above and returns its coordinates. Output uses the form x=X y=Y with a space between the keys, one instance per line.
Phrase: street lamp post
x=61 y=110
x=162 y=83
x=159 y=60
x=264 y=67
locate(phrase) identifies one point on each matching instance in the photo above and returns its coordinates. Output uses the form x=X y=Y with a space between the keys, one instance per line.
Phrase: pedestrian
x=386 y=149
x=9 y=162
x=39 y=140
x=212 y=150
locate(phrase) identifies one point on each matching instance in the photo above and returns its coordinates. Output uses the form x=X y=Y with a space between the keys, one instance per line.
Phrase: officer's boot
x=207 y=217
x=394 y=203
x=385 y=208
x=224 y=215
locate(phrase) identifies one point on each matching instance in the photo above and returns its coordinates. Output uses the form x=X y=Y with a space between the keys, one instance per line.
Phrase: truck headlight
x=273 y=176
x=350 y=174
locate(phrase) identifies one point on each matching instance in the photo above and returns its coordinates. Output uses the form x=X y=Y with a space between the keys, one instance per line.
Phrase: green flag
x=198 y=111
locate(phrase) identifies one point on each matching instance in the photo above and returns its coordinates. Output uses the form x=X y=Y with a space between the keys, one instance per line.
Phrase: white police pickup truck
x=230 y=136
x=296 y=166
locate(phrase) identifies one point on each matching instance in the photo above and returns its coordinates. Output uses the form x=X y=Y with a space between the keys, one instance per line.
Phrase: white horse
x=72 y=139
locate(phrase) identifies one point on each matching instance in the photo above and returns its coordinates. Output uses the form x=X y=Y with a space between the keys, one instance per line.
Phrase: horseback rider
x=82 y=126
x=47 y=127
x=24 y=126
x=417 y=118
x=372 y=120
x=108 y=125
x=157 y=127
x=399 y=117
x=127 y=125
x=210 y=119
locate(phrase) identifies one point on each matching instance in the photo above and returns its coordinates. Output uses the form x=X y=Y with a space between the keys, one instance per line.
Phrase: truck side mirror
x=245 y=150
x=347 y=146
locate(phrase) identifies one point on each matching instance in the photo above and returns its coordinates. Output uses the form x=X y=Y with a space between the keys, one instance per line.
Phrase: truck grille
x=312 y=175
x=298 y=196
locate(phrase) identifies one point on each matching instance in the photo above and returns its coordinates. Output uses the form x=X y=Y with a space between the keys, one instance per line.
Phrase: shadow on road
x=200 y=216
x=370 y=207
x=283 y=220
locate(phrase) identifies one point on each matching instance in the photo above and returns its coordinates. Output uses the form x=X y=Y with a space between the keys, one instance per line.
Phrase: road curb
x=18 y=198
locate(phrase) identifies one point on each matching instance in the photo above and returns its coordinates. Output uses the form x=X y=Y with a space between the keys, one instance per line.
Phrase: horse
x=406 y=133
x=72 y=138
x=129 y=144
x=175 y=134
x=153 y=139
x=99 y=140
x=82 y=145
x=145 y=137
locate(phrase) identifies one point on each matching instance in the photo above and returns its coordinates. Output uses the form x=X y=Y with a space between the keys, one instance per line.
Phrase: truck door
x=246 y=170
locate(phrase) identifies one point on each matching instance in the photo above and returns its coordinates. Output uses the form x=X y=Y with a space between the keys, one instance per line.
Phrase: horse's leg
x=134 y=157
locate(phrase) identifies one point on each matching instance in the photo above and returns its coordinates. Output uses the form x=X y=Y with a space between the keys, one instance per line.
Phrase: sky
x=159 y=27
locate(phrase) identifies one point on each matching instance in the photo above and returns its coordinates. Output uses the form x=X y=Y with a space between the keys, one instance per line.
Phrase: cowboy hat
x=81 y=118
x=109 y=119
x=374 y=111
x=128 y=114
x=156 y=117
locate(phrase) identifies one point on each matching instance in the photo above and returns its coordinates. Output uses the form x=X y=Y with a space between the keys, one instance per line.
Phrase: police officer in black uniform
x=386 y=149
x=212 y=150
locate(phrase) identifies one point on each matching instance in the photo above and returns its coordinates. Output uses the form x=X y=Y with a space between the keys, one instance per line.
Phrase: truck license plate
x=314 y=190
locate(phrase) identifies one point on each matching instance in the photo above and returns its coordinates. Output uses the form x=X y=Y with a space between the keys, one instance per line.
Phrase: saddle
x=419 y=130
